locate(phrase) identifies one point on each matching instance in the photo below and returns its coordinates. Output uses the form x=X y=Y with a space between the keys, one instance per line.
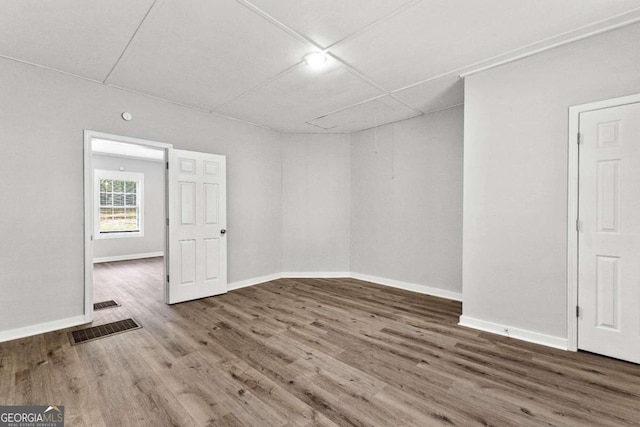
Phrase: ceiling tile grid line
x=369 y=80
x=244 y=60
x=179 y=104
x=259 y=86
x=495 y=61
x=90 y=80
x=302 y=37
x=130 y=40
x=349 y=106
x=358 y=104
x=551 y=43
x=374 y=23
x=278 y=23
x=55 y=70
x=385 y=91
x=353 y=70
x=206 y=53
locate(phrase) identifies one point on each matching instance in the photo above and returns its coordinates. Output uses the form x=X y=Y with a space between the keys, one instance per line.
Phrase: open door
x=197 y=226
x=609 y=238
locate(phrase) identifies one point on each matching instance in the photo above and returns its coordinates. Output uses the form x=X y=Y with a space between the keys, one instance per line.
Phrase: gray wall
x=42 y=117
x=316 y=203
x=154 y=223
x=515 y=175
x=406 y=201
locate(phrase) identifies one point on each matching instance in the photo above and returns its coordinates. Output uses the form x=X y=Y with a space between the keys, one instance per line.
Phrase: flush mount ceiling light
x=315 y=59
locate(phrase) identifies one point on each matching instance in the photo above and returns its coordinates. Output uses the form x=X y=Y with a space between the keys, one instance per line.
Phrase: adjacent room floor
x=299 y=352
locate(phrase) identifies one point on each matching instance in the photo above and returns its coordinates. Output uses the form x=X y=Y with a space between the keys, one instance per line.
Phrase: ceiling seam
x=374 y=23
x=350 y=106
x=535 y=51
x=90 y=80
x=44 y=67
x=391 y=122
x=259 y=86
x=302 y=37
x=372 y=82
x=129 y=42
x=460 y=71
x=191 y=107
x=282 y=26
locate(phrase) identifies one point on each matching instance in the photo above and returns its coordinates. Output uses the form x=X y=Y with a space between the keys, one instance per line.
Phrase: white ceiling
x=389 y=59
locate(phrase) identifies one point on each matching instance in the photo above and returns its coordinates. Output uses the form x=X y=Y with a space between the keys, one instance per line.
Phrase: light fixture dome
x=315 y=59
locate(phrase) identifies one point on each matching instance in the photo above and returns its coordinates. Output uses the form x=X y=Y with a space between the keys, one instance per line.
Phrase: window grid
x=119 y=210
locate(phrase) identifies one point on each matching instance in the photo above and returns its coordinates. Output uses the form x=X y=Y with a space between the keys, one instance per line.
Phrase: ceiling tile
x=81 y=37
x=436 y=37
x=300 y=95
x=376 y=112
x=435 y=94
x=328 y=21
x=204 y=53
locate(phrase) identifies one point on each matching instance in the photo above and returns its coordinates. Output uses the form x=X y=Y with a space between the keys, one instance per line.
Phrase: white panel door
x=197 y=226
x=609 y=240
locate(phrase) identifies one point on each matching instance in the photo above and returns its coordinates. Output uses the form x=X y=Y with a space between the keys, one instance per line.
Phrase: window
x=119 y=204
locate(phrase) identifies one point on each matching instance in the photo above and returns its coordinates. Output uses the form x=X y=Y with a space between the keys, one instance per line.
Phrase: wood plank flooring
x=307 y=352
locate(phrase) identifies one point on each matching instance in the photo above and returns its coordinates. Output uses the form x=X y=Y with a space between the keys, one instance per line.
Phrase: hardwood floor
x=307 y=352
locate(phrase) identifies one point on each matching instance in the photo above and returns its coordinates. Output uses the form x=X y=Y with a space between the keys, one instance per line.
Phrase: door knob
x=223 y=231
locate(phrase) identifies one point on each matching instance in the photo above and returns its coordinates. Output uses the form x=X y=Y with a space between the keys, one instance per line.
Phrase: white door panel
x=609 y=243
x=197 y=226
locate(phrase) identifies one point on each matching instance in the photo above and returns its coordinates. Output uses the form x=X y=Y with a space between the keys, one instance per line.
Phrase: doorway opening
x=125 y=187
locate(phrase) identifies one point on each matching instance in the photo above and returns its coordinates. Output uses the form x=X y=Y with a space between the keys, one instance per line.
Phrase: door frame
x=89 y=186
x=573 y=208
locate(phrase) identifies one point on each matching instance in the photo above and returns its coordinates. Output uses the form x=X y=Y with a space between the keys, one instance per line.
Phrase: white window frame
x=121 y=176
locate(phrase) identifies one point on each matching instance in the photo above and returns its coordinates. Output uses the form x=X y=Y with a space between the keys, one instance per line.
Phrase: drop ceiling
x=389 y=60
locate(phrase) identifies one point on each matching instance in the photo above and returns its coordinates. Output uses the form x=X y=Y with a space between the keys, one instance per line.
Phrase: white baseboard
x=414 y=287
x=422 y=289
x=42 y=328
x=504 y=330
x=314 y=275
x=512 y=332
x=253 y=281
x=127 y=257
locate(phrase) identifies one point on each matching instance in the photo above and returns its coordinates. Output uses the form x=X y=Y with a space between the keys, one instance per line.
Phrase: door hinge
x=578 y=225
x=167 y=222
x=167 y=278
x=577 y=311
x=579 y=138
x=167 y=165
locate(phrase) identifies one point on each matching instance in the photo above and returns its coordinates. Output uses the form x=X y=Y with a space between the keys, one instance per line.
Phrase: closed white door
x=197 y=226
x=609 y=237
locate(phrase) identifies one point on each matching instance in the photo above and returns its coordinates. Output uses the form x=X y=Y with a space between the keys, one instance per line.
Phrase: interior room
x=387 y=212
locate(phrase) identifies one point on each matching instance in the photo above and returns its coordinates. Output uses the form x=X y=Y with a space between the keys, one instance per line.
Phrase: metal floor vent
x=105 y=304
x=108 y=329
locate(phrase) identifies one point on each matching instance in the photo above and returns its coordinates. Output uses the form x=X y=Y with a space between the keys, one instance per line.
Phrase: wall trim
x=513 y=332
x=315 y=275
x=41 y=328
x=239 y=284
x=624 y=19
x=414 y=287
x=127 y=257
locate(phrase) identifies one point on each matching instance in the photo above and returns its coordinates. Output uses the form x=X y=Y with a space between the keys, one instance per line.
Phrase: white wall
x=152 y=240
x=406 y=201
x=42 y=117
x=316 y=203
x=515 y=176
